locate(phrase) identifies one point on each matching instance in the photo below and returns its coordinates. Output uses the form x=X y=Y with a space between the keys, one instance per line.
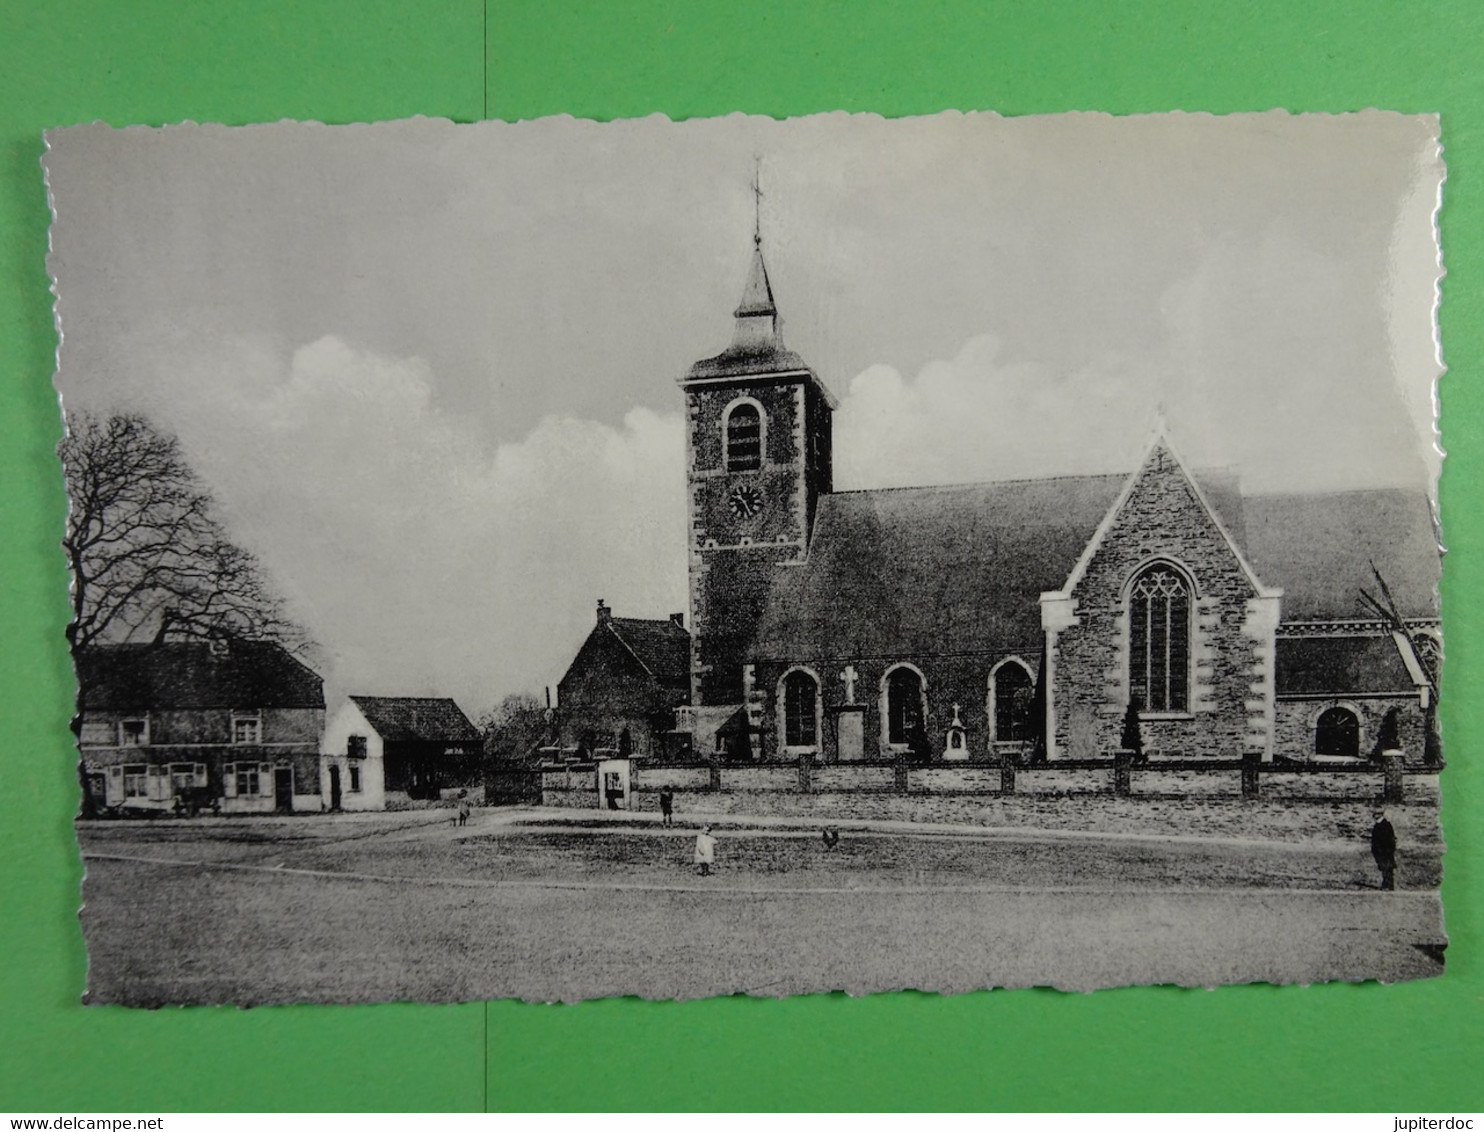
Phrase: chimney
x=604 y=613
x=678 y=619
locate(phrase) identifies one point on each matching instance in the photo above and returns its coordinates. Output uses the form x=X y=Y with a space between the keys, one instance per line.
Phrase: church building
x=1025 y=617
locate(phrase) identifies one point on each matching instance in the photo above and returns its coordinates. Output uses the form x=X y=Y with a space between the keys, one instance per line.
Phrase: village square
x=1033 y=732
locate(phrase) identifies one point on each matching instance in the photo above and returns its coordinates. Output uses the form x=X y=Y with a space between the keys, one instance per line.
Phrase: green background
x=1343 y=1047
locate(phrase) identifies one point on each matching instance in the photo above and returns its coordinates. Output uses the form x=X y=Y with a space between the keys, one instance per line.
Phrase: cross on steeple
x=757 y=202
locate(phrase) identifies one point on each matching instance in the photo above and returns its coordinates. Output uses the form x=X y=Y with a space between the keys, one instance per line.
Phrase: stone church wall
x=1296 y=720
x=1231 y=641
x=962 y=680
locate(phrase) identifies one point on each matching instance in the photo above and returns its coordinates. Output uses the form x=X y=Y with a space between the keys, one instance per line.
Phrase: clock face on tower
x=745 y=501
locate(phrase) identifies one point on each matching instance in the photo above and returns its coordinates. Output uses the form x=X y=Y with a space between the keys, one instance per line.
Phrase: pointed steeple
x=757 y=296
x=757 y=348
x=757 y=314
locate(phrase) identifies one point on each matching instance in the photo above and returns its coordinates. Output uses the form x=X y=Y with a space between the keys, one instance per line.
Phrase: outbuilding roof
x=416 y=718
x=181 y=675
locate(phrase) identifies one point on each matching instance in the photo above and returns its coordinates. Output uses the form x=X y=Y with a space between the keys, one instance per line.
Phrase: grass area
x=404 y=906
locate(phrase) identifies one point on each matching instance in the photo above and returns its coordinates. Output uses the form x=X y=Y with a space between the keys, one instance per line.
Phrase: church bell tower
x=758 y=459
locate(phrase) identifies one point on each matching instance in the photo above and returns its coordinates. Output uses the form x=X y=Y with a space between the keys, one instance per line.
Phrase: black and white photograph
x=565 y=559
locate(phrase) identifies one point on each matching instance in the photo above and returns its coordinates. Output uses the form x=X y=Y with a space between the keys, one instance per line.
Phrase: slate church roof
x=187 y=675
x=400 y=719
x=903 y=571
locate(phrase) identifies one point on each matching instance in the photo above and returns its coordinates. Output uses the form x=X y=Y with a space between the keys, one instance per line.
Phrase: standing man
x=705 y=851
x=667 y=805
x=1383 y=849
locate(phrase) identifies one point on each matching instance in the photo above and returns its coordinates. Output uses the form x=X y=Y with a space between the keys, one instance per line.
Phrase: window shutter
x=199 y=775
x=229 y=780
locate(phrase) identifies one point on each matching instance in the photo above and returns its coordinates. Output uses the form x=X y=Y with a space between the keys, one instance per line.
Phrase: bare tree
x=147 y=552
x=514 y=730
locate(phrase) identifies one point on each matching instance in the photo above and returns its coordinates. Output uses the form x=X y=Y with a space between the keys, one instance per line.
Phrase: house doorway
x=334 y=787
x=283 y=789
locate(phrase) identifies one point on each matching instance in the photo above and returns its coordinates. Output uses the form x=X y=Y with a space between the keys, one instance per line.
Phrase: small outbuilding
x=386 y=750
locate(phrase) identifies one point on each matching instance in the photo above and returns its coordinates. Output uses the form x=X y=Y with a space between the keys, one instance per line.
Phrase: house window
x=136 y=781
x=186 y=776
x=905 y=721
x=134 y=733
x=1014 y=695
x=800 y=710
x=249 y=780
x=744 y=438
x=355 y=778
x=355 y=747
x=247 y=729
x=1159 y=640
x=1337 y=732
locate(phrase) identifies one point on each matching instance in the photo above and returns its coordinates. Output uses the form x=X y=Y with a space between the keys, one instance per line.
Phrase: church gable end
x=1163 y=609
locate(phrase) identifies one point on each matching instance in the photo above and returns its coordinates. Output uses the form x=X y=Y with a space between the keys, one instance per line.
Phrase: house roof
x=178 y=675
x=416 y=718
x=662 y=647
x=1340 y=665
x=961 y=569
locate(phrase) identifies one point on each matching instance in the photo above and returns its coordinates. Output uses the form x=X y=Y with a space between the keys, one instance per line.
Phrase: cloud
x=423 y=560
x=974 y=417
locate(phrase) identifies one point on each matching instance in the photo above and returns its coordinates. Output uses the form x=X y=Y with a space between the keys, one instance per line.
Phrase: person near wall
x=667 y=805
x=705 y=851
x=1383 y=849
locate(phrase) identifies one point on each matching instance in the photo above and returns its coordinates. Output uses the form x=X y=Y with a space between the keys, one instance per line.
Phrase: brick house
x=232 y=725
x=970 y=621
x=395 y=749
x=621 y=690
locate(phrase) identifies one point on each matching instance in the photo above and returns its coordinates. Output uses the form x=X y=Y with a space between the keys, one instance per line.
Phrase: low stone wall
x=656 y=778
x=1351 y=785
x=572 y=787
x=825 y=779
x=1055 y=780
x=1186 y=783
x=954 y=779
x=773 y=787
x=736 y=779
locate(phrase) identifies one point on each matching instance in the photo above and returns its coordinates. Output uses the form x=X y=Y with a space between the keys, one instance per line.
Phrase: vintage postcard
x=566 y=559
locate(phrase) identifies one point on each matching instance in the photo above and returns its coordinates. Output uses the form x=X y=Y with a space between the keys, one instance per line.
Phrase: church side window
x=904 y=715
x=1159 y=640
x=1014 y=704
x=1337 y=732
x=800 y=710
x=744 y=438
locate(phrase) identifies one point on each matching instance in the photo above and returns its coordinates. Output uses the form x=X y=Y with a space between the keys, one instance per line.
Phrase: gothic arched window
x=1014 y=695
x=1159 y=640
x=800 y=710
x=1337 y=732
x=904 y=707
x=744 y=438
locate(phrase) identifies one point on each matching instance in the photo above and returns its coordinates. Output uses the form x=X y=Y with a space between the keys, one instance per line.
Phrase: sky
x=429 y=370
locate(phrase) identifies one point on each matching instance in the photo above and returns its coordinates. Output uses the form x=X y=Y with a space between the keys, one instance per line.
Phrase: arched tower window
x=1337 y=732
x=1014 y=694
x=800 y=709
x=904 y=707
x=1159 y=640
x=744 y=438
